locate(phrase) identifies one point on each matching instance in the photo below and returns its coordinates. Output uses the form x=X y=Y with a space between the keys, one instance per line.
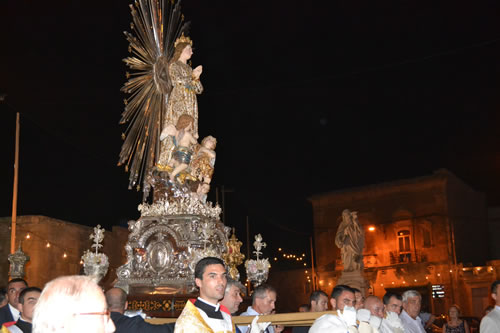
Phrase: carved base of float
x=162 y=252
x=158 y=305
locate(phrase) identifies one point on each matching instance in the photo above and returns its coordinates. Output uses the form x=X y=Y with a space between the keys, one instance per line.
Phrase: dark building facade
x=428 y=233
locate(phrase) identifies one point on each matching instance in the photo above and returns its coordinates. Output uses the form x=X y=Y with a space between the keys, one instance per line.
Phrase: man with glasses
x=72 y=304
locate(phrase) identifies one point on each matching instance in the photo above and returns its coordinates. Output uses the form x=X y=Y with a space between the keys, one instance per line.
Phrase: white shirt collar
x=207 y=302
x=15 y=312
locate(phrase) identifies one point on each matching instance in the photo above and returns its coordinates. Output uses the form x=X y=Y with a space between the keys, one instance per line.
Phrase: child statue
x=183 y=140
x=202 y=166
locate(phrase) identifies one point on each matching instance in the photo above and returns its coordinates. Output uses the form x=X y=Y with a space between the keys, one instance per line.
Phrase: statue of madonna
x=182 y=99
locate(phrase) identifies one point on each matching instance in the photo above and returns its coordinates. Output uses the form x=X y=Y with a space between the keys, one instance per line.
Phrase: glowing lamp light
x=279 y=249
x=81 y=263
x=48 y=244
x=372 y=228
x=28 y=236
x=305 y=264
x=439 y=274
x=65 y=255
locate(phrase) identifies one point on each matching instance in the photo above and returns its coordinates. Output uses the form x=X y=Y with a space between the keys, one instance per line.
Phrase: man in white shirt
x=344 y=301
x=392 y=308
x=263 y=303
x=491 y=322
x=412 y=301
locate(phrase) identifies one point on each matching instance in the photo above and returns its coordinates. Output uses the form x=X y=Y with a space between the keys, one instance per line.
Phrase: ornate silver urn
x=258 y=269
x=96 y=264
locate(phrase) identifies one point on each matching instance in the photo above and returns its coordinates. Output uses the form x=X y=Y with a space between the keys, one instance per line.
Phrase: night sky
x=303 y=96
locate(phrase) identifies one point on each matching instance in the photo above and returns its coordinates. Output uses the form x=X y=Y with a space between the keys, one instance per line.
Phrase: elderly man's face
x=375 y=306
x=265 y=305
x=232 y=299
x=412 y=306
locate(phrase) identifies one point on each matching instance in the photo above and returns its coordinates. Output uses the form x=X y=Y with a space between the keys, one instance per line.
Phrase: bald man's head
x=375 y=306
x=116 y=299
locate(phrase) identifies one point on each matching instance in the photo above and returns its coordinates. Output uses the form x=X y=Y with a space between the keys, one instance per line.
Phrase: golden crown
x=183 y=39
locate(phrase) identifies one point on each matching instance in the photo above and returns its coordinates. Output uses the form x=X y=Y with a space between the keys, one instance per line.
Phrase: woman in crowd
x=455 y=324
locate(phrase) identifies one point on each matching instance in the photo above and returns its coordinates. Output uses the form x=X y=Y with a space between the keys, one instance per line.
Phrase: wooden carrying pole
x=286 y=319
x=14 y=194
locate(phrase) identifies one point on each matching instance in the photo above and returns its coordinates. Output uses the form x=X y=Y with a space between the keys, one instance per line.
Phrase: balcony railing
x=397 y=257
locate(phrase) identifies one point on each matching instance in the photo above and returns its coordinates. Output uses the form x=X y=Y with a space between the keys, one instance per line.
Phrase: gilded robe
x=191 y=320
x=182 y=100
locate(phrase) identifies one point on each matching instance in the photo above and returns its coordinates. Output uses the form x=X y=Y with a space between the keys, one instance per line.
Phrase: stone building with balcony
x=428 y=233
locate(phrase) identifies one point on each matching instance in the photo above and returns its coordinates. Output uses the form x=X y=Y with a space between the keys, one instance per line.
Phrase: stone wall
x=55 y=248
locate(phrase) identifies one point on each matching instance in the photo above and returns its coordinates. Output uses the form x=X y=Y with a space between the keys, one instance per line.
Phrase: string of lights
x=67 y=253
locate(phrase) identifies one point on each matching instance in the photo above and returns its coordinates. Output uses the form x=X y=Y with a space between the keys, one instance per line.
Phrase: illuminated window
x=404 y=241
x=404 y=245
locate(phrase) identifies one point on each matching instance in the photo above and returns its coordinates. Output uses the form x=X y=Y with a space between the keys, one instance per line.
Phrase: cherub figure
x=183 y=141
x=202 y=191
x=202 y=166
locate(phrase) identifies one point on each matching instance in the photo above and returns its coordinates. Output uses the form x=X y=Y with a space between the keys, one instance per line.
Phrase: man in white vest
x=491 y=322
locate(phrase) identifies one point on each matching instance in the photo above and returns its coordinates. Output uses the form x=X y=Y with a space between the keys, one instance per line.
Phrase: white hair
x=410 y=293
x=231 y=282
x=60 y=301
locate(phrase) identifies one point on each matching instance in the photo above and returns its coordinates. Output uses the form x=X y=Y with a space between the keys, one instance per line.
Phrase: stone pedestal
x=354 y=279
x=162 y=252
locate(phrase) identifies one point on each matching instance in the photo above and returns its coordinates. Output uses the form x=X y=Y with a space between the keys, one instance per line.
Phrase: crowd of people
x=77 y=304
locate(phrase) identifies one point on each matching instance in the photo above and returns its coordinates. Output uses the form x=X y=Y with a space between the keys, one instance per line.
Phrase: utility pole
x=14 y=194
